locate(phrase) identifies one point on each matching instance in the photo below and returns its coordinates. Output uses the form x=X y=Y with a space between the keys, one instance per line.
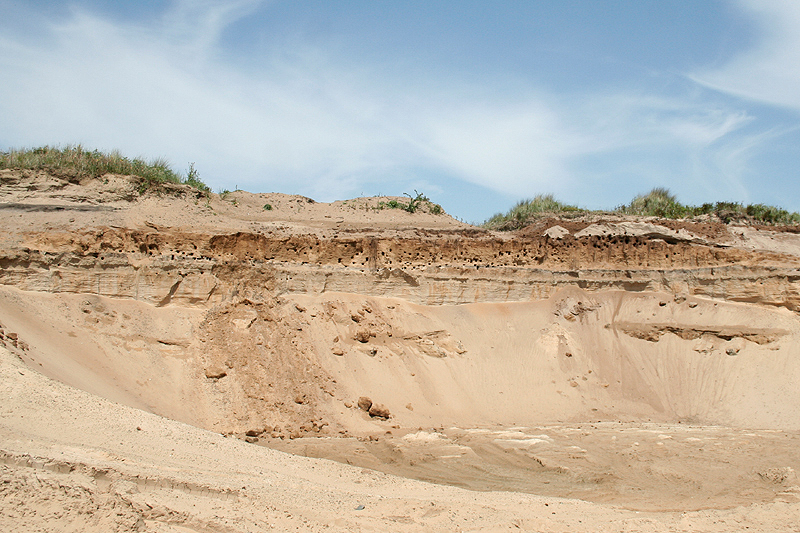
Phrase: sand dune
x=160 y=355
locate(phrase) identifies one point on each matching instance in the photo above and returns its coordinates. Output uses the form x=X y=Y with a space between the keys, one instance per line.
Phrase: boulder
x=364 y=403
x=379 y=411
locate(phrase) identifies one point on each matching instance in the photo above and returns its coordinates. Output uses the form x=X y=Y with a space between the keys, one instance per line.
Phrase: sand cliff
x=646 y=364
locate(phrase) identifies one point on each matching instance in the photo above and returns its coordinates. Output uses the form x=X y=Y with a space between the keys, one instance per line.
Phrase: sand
x=153 y=380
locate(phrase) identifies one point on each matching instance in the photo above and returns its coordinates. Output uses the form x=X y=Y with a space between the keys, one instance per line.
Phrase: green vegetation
x=225 y=195
x=659 y=202
x=267 y=207
x=414 y=203
x=193 y=180
x=771 y=215
x=540 y=206
x=75 y=162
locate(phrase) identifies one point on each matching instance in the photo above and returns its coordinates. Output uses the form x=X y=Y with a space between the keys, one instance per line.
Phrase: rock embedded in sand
x=364 y=403
x=379 y=411
x=215 y=372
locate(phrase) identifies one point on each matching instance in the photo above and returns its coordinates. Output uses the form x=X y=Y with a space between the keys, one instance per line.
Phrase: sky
x=476 y=104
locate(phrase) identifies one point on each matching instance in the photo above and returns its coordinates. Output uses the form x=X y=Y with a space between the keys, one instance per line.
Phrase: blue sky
x=476 y=104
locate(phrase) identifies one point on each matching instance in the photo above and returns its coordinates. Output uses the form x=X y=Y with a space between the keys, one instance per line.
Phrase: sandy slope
x=76 y=462
x=645 y=372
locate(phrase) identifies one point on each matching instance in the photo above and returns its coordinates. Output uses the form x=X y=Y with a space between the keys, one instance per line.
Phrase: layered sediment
x=352 y=320
x=432 y=268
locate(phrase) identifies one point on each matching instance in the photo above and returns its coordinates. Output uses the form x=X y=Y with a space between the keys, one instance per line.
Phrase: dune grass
x=74 y=161
x=519 y=216
x=659 y=202
x=414 y=204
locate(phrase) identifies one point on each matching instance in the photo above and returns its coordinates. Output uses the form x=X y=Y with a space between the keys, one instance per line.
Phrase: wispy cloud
x=198 y=24
x=770 y=72
x=633 y=141
x=304 y=115
x=510 y=148
x=112 y=85
x=308 y=120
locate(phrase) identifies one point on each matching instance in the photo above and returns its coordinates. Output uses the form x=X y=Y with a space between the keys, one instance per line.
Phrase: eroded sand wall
x=298 y=364
x=283 y=334
x=201 y=270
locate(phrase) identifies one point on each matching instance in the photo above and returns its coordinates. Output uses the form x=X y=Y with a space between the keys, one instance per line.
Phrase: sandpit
x=160 y=355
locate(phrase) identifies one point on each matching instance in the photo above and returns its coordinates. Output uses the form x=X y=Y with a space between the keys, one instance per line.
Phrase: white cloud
x=303 y=115
x=306 y=120
x=515 y=148
x=770 y=72
x=112 y=85
x=200 y=23
x=635 y=119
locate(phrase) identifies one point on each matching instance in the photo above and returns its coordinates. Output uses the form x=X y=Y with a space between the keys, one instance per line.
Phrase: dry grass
x=76 y=162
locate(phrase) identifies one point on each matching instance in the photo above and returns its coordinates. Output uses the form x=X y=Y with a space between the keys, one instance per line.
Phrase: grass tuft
x=659 y=202
x=193 y=180
x=414 y=204
x=74 y=162
x=526 y=210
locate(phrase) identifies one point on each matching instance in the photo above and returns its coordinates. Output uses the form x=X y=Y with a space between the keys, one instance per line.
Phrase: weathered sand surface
x=628 y=376
x=75 y=462
x=640 y=466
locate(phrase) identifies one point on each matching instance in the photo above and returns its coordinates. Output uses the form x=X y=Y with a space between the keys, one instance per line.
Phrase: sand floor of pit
x=639 y=466
x=71 y=461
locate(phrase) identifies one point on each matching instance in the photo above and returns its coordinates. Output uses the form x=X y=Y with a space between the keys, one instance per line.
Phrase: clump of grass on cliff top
x=659 y=202
x=77 y=162
x=520 y=215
